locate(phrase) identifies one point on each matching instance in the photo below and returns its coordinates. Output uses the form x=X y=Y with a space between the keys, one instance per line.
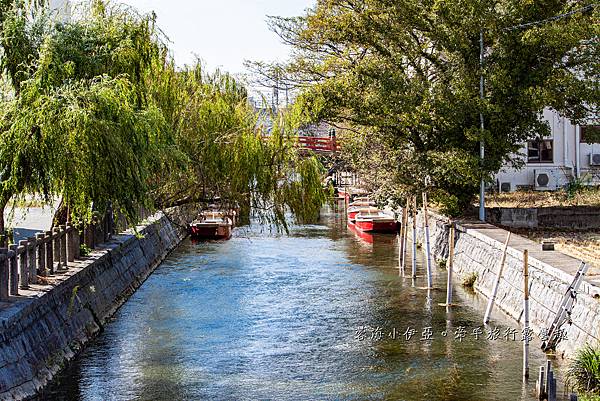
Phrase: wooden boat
x=375 y=220
x=211 y=225
x=356 y=207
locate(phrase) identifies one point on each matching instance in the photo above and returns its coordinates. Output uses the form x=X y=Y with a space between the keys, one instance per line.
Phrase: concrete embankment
x=47 y=325
x=478 y=250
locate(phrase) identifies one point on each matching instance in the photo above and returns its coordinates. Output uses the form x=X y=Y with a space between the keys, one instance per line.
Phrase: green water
x=268 y=317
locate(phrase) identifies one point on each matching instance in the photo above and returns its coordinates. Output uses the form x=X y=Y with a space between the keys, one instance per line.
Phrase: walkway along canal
x=319 y=314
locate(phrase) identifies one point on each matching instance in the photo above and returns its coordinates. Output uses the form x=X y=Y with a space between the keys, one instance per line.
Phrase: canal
x=319 y=314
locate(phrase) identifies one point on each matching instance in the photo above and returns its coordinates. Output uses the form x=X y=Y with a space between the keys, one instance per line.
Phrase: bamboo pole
x=526 y=314
x=427 y=242
x=414 y=238
x=492 y=300
x=450 y=266
x=401 y=243
x=405 y=234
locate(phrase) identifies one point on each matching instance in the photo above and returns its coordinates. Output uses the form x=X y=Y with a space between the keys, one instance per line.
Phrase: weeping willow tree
x=79 y=125
x=100 y=115
x=228 y=156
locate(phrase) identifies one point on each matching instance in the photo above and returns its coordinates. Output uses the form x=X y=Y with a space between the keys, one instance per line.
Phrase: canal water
x=319 y=314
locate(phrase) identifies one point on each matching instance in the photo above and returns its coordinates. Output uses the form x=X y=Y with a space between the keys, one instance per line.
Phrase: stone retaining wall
x=476 y=253
x=562 y=218
x=39 y=334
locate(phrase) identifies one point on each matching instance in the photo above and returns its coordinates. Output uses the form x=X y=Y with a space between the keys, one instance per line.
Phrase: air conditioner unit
x=505 y=187
x=544 y=180
x=595 y=159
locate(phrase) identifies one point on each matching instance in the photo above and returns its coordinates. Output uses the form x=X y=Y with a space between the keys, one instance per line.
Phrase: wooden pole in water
x=549 y=377
x=525 y=314
x=427 y=242
x=450 y=266
x=402 y=241
x=492 y=300
x=540 y=386
x=405 y=234
x=414 y=238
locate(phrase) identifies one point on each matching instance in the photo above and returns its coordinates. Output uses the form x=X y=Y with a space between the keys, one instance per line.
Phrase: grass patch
x=583 y=372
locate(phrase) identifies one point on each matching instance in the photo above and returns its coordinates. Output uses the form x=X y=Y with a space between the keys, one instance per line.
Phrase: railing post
x=63 y=247
x=13 y=269
x=49 y=252
x=70 y=244
x=41 y=254
x=76 y=242
x=31 y=260
x=23 y=270
x=4 y=279
x=56 y=248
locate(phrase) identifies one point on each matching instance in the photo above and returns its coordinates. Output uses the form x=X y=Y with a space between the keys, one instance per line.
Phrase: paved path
x=555 y=259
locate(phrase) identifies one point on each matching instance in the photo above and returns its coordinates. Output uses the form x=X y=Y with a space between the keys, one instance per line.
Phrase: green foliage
x=101 y=116
x=583 y=373
x=574 y=187
x=84 y=250
x=405 y=76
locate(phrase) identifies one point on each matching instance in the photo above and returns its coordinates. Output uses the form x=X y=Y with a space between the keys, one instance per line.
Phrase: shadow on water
x=319 y=314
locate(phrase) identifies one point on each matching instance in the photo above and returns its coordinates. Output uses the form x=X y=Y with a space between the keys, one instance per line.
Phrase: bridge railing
x=318 y=144
x=314 y=143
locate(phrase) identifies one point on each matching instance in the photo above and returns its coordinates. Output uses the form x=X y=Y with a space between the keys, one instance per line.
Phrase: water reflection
x=281 y=317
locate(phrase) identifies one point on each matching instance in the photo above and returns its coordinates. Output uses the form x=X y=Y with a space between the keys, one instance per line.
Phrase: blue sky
x=223 y=33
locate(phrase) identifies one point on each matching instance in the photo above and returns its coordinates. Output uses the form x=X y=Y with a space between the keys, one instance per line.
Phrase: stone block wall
x=476 y=253
x=562 y=218
x=40 y=334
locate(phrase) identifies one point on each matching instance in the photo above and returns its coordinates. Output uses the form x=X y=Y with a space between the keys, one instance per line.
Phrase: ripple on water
x=275 y=317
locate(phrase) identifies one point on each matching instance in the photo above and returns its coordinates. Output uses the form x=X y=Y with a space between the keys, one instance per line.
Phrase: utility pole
x=481 y=142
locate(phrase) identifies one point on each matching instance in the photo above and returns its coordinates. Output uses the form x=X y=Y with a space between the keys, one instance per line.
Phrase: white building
x=61 y=9
x=554 y=161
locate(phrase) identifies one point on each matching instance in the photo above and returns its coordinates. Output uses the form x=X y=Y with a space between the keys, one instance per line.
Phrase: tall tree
x=407 y=75
x=100 y=115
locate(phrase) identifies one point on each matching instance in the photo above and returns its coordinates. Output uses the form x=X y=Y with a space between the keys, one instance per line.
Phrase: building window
x=540 y=151
x=590 y=134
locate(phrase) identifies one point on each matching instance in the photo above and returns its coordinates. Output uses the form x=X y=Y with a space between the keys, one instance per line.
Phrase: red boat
x=376 y=221
x=211 y=225
x=357 y=207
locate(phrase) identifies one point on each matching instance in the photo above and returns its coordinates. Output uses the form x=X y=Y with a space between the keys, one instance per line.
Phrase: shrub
x=84 y=250
x=583 y=373
x=469 y=280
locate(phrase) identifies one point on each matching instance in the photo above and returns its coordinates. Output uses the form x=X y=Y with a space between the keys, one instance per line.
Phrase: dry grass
x=580 y=245
x=583 y=197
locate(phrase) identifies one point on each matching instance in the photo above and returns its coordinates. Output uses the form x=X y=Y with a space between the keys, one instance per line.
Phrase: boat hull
x=210 y=231
x=374 y=226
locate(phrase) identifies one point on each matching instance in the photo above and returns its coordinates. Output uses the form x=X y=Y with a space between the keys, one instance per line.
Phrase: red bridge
x=318 y=144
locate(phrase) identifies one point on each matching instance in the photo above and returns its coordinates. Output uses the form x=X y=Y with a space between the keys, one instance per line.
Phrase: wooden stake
x=488 y=311
x=450 y=266
x=402 y=242
x=414 y=238
x=540 y=386
x=551 y=386
x=525 y=314
x=427 y=242
x=549 y=376
x=405 y=234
